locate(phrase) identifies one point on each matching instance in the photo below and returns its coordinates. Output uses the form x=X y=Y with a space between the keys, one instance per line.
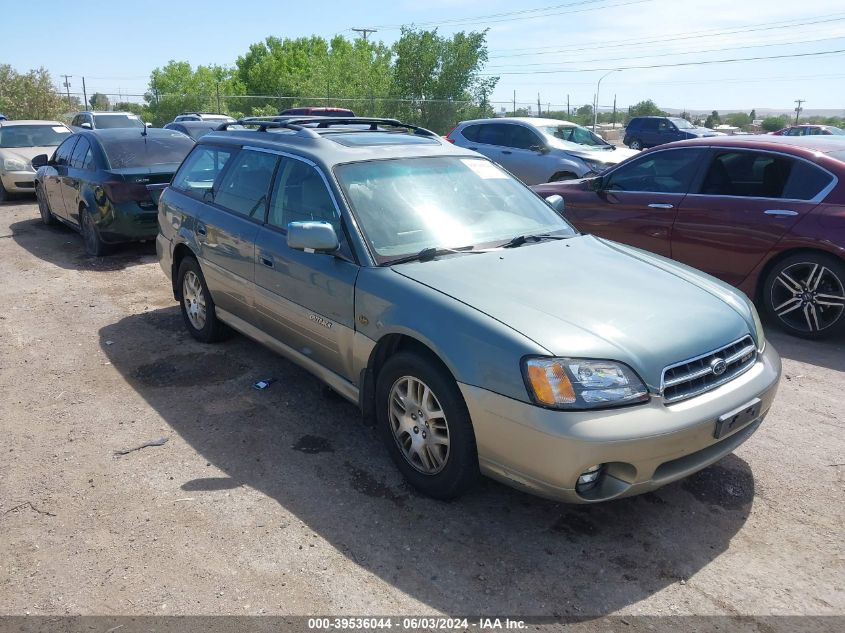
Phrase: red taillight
x=118 y=191
x=448 y=137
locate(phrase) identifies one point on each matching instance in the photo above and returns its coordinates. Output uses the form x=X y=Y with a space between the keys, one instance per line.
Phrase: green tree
x=30 y=96
x=99 y=101
x=753 y=114
x=713 y=120
x=436 y=80
x=738 y=119
x=645 y=108
x=129 y=106
x=774 y=123
x=177 y=87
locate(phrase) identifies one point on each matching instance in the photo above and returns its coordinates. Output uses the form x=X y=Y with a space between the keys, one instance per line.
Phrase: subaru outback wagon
x=459 y=310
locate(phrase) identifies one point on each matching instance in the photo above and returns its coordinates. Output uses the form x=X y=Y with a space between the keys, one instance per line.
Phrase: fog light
x=589 y=478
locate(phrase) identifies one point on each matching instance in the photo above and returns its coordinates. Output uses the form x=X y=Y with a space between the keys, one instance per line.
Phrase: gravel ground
x=282 y=502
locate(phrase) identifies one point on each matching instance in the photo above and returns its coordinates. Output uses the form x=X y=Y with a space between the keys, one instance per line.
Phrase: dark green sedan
x=96 y=182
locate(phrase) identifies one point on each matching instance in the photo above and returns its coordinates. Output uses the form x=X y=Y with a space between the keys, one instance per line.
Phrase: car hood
x=702 y=131
x=26 y=153
x=591 y=298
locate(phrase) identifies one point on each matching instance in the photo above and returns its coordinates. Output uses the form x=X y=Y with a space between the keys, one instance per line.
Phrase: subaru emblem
x=718 y=366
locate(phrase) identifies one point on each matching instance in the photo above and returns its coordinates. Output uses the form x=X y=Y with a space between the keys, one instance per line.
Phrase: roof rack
x=306 y=125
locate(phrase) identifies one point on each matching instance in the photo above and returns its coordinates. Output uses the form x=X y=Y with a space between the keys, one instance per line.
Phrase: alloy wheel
x=808 y=296
x=193 y=299
x=419 y=425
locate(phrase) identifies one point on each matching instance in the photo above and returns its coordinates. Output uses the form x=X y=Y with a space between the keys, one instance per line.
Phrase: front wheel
x=425 y=425
x=805 y=295
x=44 y=209
x=197 y=305
x=4 y=195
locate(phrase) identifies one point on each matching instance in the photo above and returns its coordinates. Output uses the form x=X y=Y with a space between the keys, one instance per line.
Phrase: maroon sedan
x=763 y=213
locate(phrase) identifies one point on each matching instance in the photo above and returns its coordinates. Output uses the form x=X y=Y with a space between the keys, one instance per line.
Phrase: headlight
x=574 y=383
x=15 y=164
x=595 y=165
x=758 y=326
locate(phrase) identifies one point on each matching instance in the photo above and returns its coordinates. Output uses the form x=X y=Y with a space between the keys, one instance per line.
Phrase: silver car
x=478 y=329
x=539 y=150
x=20 y=142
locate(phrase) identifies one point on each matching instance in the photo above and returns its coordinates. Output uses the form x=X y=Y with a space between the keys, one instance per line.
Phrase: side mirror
x=148 y=124
x=86 y=125
x=596 y=184
x=540 y=149
x=40 y=161
x=555 y=201
x=312 y=237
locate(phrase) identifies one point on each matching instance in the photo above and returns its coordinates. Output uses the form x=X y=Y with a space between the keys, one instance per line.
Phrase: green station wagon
x=460 y=311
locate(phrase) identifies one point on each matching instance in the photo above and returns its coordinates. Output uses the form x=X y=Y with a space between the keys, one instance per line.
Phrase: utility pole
x=218 y=98
x=614 y=111
x=798 y=109
x=365 y=32
x=67 y=87
x=567 y=106
x=84 y=95
x=598 y=88
x=514 y=102
x=539 y=107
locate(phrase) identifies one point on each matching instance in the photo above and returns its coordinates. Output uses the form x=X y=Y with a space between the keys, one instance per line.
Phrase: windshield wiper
x=519 y=240
x=427 y=254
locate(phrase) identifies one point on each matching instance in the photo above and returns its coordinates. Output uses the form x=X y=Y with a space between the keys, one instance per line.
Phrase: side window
x=246 y=183
x=522 y=138
x=751 y=174
x=649 y=125
x=75 y=120
x=493 y=134
x=63 y=153
x=471 y=132
x=77 y=159
x=670 y=171
x=663 y=125
x=202 y=167
x=300 y=194
x=805 y=181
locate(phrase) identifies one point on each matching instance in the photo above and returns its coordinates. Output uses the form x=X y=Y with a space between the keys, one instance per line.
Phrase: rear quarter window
x=470 y=132
x=202 y=167
x=805 y=181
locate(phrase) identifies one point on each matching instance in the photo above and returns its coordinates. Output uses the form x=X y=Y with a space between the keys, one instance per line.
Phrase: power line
x=364 y=32
x=764 y=26
x=648 y=66
x=661 y=53
x=515 y=15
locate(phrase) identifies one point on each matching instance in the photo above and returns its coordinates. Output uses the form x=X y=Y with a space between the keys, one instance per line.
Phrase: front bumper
x=643 y=446
x=18 y=181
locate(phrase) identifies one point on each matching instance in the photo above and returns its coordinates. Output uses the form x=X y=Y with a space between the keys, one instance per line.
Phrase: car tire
x=196 y=304
x=94 y=245
x=563 y=175
x=4 y=195
x=44 y=209
x=409 y=381
x=635 y=144
x=805 y=295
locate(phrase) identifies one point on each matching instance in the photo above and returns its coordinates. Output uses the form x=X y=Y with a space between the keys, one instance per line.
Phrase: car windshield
x=835 y=130
x=682 y=124
x=33 y=135
x=574 y=134
x=145 y=151
x=106 y=121
x=409 y=204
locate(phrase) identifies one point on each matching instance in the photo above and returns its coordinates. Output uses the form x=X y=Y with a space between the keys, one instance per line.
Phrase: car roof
x=804 y=144
x=31 y=122
x=533 y=121
x=348 y=142
x=106 y=112
x=118 y=133
x=194 y=124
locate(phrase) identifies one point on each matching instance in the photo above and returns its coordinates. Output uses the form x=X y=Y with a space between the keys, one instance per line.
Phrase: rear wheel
x=425 y=425
x=44 y=206
x=94 y=245
x=197 y=305
x=635 y=144
x=805 y=295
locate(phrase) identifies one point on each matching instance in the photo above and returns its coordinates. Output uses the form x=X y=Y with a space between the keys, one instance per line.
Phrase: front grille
x=695 y=376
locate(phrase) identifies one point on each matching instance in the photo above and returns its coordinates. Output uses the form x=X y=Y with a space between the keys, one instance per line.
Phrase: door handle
x=472 y=148
x=781 y=212
x=506 y=151
x=267 y=261
x=661 y=205
x=201 y=230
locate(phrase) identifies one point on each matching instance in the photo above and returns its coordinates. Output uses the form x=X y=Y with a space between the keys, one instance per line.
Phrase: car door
x=649 y=134
x=526 y=155
x=54 y=183
x=228 y=225
x=76 y=175
x=636 y=203
x=746 y=202
x=491 y=141
x=305 y=300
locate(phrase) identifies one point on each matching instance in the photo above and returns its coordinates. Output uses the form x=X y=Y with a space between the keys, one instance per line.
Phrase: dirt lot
x=282 y=502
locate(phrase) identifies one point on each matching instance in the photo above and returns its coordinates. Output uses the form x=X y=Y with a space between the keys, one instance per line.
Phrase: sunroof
x=356 y=139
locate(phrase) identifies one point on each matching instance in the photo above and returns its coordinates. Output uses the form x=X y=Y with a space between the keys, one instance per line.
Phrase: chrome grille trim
x=695 y=376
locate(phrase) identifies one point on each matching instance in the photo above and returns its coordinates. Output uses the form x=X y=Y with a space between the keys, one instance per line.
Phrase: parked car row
x=20 y=142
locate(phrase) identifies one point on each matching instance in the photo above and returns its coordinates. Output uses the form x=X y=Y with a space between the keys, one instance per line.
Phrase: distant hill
x=762 y=113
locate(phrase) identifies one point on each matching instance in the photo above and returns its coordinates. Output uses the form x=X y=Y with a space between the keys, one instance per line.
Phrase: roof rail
x=308 y=124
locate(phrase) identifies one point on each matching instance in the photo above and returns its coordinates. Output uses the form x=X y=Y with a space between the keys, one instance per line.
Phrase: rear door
x=305 y=300
x=745 y=203
x=76 y=175
x=228 y=225
x=637 y=202
x=649 y=134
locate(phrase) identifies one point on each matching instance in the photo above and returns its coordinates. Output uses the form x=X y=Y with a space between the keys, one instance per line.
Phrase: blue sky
x=115 y=45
